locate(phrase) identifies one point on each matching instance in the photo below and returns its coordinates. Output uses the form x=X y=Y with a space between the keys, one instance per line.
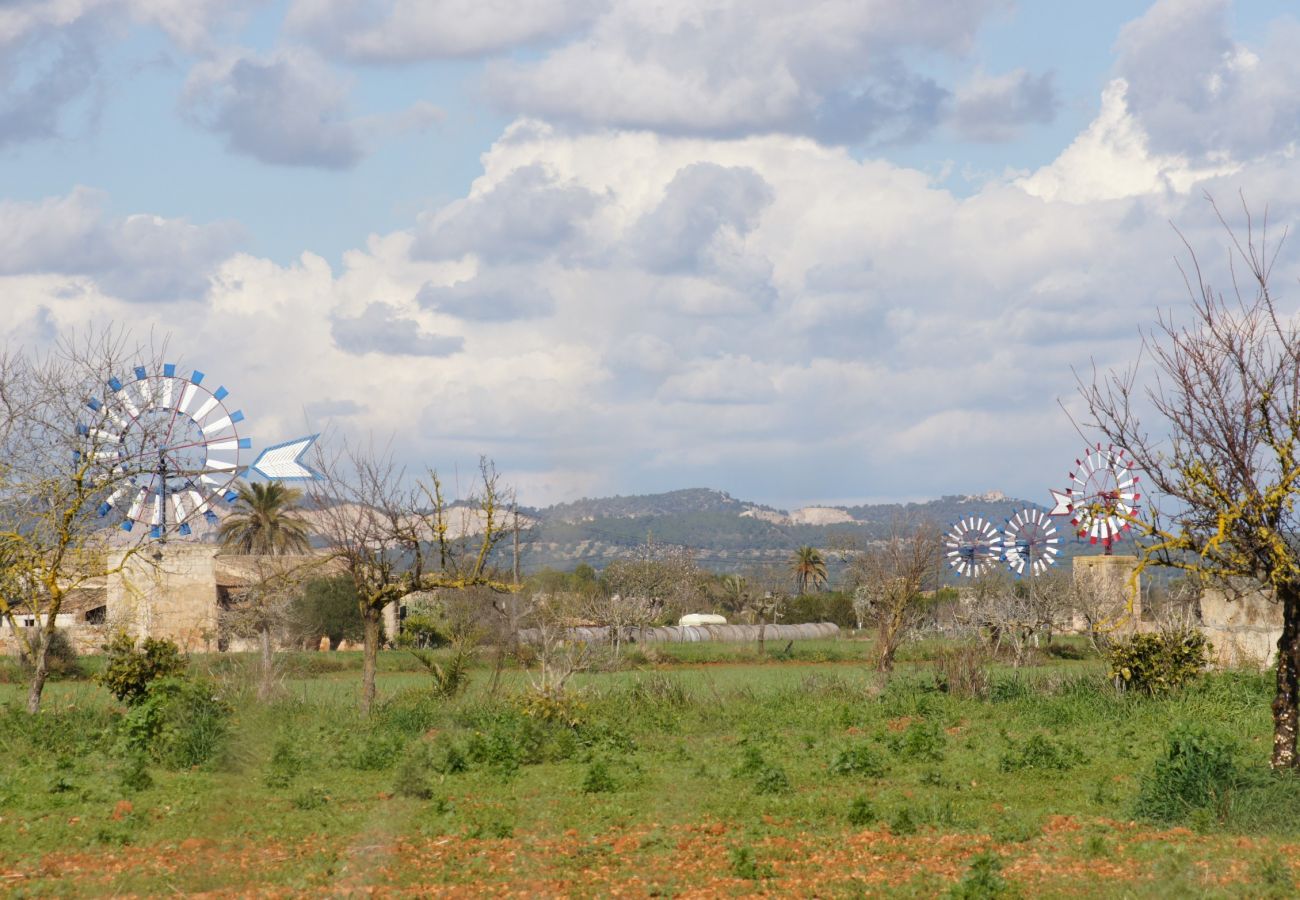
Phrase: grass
x=705 y=768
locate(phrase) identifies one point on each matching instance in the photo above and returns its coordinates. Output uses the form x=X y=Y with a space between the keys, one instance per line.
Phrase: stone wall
x=1243 y=626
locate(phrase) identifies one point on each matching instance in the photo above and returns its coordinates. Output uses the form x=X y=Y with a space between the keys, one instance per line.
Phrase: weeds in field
x=861 y=812
x=744 y=864
x=983 y=880
x=598 y=779
x=1198 y=771
x=1040 y=753
x=859 y=759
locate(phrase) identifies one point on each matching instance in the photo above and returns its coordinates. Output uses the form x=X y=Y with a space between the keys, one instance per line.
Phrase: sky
x=812 y=252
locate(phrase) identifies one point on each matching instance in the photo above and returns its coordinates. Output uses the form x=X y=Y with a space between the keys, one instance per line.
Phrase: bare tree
x=395 y=535
x=266 y=606
x=64 y=449
x=658 y=581
x=1012 y=613
x=894 y=573
x=549 y=618
x=1224 y=457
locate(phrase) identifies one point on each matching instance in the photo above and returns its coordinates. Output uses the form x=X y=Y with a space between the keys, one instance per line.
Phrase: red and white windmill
x=1102 y=497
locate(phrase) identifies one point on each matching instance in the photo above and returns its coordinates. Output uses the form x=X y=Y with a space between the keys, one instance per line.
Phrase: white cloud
x=138 y=258
x=833 y=69
x=1199 y=93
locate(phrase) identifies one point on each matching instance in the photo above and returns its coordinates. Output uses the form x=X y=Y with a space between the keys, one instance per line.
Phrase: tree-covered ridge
x=725 y=538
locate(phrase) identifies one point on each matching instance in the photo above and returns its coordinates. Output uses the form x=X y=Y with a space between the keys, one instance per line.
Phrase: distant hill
x=728 y=534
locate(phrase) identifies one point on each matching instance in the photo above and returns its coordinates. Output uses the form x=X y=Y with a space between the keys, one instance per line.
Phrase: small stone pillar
x=1115 y=589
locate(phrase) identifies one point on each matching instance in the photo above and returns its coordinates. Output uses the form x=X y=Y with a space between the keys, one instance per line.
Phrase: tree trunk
x=370 y=656
x=1286 y=713
x=888 y=647
x=40 y=672
x=264 y=689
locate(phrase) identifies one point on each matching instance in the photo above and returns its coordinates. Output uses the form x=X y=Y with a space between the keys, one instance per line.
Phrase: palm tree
x=809 y=567
x=265 y=523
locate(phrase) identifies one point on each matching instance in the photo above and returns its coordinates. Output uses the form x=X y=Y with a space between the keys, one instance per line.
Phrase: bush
x=329 y=607
x=983 y=881
x=745 y=865
x=451 y=676
x=921 y=740
x=1198 y=772
x=861 y=812
x=128 y=673
x=1040 y=752
x=859 y=759
x=285 y=764
x=60 y=658
x=373 y=749
x=963 y=672
x=828 y=606
x=179 y=723
x=598 y=780
x=413 y=774
x=1159 y=662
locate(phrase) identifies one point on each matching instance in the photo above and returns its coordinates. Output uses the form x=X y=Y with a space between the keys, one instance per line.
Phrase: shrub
x=60 y=658
x=413 y=774
x=598 y=780
x=1040 y=752
x=772 y=780
x=921 y=740
x=1158 y=662
x=180 y=723
x=134 y=775
x=903 y=822
x=963 y=671
x=1198 y=772
x=128 y=673
x=329 y=607
x=285 y=764
x=983 y=881
x=745 y=865
x=449 y=677
x=313 y=797
x=373 y=749
x=859 y=759
x=861 y=812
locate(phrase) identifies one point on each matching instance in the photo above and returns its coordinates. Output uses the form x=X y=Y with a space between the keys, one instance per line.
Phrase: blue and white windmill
x=172 y=450
x=972 y=546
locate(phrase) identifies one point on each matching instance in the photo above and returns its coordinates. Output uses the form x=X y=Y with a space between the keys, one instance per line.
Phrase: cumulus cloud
x=997 y=107
x=391 y=31
x=490 y=297
x=527 y=215
x=838 y=71
x=285 y=108
x=382 y=328
x=706 y=211
x=1198 y=92
x=138 y=258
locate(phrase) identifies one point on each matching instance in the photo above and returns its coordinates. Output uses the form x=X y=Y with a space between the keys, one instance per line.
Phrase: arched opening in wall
x=97 y=615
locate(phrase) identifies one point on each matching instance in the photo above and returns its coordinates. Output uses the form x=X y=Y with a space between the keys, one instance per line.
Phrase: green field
x=704 y=771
